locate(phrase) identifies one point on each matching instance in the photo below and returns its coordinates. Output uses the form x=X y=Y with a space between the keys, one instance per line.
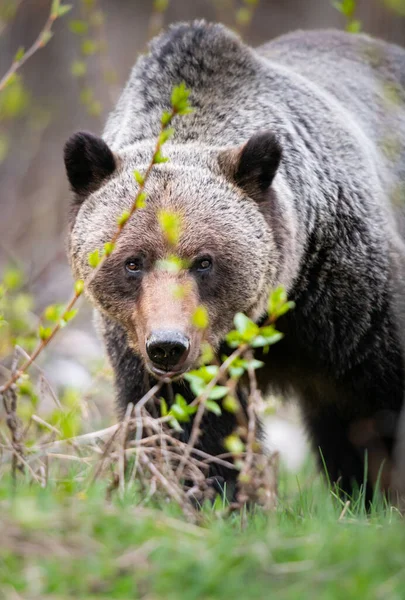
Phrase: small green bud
x=230 y=404
x=200 y=317
x=139 y=177
x=166 y=134
x=141 y=200
x=234 y=444
x=123 y=218
x=108 y=248
x=78 y=68
x=79 y=287
x=170 y=224
x=69 y=315
x=166 y=118
x=160 y=5
x=53 y=312
x=19 y=54
x=94 y=258
x=89 y=47
x=78 y=26
x=45 y=37
x=44 y=332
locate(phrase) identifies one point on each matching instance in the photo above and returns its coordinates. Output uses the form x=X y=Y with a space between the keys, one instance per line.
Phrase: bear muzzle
x=167 y=351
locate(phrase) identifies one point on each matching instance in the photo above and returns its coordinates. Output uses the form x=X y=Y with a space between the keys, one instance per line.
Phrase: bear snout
x=167 y=350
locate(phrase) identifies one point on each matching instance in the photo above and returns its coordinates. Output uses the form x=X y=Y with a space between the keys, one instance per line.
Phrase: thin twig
x=201 y=400
x=41 y=41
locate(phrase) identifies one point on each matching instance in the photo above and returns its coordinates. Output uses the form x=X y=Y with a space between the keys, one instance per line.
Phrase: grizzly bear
x=290 y=171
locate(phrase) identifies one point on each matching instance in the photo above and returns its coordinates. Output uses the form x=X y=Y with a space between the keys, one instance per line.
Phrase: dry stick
x=41 y=41
x=251 y=433
x=138 y=419
x=176 y=494
x=244 y=478
x=195 y=432
x=17 y=455
x=79 y=291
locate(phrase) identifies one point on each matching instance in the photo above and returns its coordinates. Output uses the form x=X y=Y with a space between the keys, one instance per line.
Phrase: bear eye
x=133 y=265
x=203 y=264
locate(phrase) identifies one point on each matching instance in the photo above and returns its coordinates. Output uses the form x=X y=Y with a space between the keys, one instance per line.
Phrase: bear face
x=217 y=196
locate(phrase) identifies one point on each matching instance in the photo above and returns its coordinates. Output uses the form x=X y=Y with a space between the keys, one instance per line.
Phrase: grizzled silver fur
x=329 y=229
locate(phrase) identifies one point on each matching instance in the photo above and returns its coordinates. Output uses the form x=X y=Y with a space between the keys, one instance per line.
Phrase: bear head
x=227 y=253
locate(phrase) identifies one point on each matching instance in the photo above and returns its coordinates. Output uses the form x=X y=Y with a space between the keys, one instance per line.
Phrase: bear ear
x=88 y=161
x=253 y=165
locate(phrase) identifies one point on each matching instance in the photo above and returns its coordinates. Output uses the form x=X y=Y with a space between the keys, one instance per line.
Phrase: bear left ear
x=88 y=161
x=254 y=165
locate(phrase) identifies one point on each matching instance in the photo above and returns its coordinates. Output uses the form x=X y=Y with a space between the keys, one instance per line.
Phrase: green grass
x=61 y=543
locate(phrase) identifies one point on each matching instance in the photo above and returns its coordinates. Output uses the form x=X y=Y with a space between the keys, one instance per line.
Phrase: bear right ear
x=88 y=161
x=253 y=165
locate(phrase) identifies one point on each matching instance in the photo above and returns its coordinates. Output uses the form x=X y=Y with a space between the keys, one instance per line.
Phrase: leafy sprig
x=57 y=10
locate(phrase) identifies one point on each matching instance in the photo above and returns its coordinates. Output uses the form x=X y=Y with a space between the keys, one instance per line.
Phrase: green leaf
x=277 y=304
x=165 y=135
x=94 y=258
x=179 y=413
x=200 y=317
x=234 y=339
x=89 y=47
x=163 y=407
x=174 y=424
x=346 y=7
x=95 y=108
x=179 y=99
x=218 y=392
x=178 y=399
x=243 y=16
x=230 y=404
x=55 y=7
x=197 y=385
x=170 y=224
x=207 y=353
x=166 y=118
x=159 y=158
x=236 y=372
x=4 y=146
x=353 y=26
x=172 y=264
x=69 y=315
x=245 y=326
x=260 y=341
x=213 y=407
x=53 y=312
x=44 y=332
x=160 y=5
x=234 y=444
x=64 y=9
x=78 y=68
x=13 y=278
x=78 y=27
x=19 y=54
x=205 y=373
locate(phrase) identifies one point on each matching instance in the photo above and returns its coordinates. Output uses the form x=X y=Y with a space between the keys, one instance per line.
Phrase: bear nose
x=167 y=349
